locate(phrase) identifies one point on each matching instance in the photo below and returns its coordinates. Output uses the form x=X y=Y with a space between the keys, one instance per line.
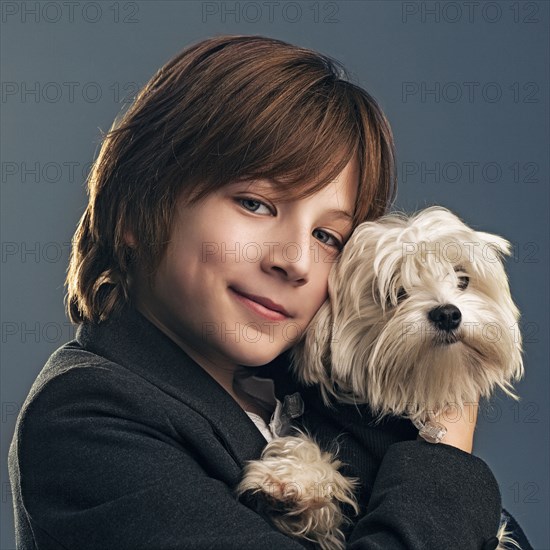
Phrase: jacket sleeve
x=430 y=496
x=96 y=473
x=97 y=468
x=414 y=495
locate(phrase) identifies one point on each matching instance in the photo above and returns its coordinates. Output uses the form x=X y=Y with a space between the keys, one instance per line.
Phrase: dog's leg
x=301 y=487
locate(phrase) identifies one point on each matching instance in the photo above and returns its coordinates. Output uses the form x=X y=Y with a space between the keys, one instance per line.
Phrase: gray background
x=464 y=84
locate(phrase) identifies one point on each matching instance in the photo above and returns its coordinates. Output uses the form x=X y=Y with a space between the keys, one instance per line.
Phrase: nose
x=291 y=258
x=446 y=317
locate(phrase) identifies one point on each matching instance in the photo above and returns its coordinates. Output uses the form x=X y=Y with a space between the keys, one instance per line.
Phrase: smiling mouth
x=260 y=305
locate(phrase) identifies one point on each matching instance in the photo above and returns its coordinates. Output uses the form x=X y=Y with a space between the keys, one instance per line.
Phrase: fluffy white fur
x=365 y=345
x=303 y=488
x=374 y=342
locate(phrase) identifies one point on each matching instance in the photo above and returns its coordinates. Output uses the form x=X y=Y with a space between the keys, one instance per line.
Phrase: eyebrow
x=340 y=214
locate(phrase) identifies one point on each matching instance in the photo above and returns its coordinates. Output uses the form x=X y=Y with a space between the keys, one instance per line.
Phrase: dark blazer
x=125 y=443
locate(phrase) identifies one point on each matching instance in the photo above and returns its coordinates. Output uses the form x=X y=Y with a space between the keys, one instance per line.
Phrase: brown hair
x=224 y=109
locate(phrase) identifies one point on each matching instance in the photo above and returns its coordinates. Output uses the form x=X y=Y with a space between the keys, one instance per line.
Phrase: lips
x=260 y=304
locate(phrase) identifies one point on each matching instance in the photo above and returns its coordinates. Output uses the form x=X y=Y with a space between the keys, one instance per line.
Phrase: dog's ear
x=488 y=252
x=489 y=259
x=498 y=244
x=311 y=355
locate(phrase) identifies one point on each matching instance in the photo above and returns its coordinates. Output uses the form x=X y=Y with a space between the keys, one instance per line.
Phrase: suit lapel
x=134 y=342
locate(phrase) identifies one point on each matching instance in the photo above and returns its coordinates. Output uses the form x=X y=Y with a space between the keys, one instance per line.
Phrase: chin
x=255 y=354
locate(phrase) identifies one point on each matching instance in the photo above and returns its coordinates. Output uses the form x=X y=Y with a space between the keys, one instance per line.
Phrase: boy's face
x=244 y=274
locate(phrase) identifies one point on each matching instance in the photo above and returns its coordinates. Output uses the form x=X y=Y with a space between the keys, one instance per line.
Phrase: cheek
x=318 y=292
x=166 y=287
x=177 y=274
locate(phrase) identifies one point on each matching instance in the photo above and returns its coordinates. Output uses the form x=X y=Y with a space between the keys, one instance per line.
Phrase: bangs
x=223 y=110
x=297 y=124
x=303 y=146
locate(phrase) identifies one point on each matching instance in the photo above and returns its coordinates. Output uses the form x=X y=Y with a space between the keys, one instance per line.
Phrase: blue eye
x=327 y=238
x=253 y=205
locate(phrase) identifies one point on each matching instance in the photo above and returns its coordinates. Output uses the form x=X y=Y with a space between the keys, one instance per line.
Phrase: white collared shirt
x=263 y=390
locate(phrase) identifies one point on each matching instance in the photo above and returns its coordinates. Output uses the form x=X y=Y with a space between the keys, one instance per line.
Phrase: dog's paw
x=301 y=488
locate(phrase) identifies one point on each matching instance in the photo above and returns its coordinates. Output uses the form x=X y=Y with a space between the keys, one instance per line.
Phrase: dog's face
x=419 y=317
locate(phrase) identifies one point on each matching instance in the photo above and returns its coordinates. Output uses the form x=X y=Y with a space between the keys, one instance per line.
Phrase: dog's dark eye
x=401 y=295
x=463 y=279
x=463 y=282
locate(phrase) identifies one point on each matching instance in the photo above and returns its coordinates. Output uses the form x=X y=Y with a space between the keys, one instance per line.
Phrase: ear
x=498 y=244
x=129 y=239
x=311 y=356
x=488 y=257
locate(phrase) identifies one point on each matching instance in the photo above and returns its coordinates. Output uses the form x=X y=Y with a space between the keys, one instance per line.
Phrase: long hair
x=224 y=109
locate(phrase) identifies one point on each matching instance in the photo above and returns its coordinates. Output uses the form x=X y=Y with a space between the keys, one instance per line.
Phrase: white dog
x=419 y=318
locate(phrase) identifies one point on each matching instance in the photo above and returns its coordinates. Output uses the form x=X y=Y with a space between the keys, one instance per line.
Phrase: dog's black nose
x=445 y=317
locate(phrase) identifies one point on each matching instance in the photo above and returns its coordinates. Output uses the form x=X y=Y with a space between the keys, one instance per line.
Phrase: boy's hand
x=460 y=426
